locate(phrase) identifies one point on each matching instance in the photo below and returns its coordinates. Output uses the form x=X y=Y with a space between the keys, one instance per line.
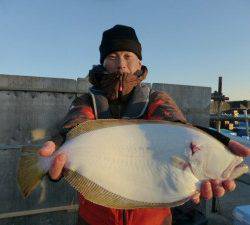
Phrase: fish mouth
x=242 y=164
x=239 y=170
x=234 y=168
x=236 y=171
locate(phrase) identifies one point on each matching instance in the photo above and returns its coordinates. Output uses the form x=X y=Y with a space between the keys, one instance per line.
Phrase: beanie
x=119 y=38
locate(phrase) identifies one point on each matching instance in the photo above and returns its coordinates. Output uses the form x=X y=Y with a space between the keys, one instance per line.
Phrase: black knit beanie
x=119 y=38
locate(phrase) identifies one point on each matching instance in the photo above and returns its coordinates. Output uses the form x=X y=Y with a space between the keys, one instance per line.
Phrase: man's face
x=122 y=62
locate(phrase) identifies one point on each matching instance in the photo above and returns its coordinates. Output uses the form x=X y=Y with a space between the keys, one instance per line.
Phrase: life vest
x=136 y=105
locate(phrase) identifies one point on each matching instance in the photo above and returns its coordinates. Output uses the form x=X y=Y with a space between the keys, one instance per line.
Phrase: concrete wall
x=31 y=110
x=194 y=101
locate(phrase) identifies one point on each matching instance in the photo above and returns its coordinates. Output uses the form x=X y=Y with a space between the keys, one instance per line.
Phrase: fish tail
x=30 y=171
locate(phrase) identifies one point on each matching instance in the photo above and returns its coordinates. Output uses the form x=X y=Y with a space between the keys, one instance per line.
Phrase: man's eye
x=112 y=57
x=127 y=56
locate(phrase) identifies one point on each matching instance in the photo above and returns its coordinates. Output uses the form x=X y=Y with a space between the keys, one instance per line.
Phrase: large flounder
x=136 y=163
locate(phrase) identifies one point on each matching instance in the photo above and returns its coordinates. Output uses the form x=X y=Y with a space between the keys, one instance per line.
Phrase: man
x=118 y=93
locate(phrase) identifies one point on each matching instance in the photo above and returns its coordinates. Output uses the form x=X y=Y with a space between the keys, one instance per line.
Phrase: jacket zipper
x=124 y=217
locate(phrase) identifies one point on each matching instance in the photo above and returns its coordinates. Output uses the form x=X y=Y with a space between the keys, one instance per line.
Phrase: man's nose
x=121 y=64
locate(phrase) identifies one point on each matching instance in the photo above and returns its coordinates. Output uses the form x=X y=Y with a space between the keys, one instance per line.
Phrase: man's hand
x=55 y=171
x=216 y=188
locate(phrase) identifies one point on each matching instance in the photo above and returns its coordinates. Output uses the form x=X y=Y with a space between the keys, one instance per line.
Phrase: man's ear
x=140 y=63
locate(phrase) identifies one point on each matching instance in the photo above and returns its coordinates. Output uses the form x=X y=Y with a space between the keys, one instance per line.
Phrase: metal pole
x=246 y=117
x=218 y=98
x=218 y=126
x=39 y=211
x=218 y=123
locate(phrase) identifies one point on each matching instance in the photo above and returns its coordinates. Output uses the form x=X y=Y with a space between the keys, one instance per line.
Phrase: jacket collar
x=136 y=105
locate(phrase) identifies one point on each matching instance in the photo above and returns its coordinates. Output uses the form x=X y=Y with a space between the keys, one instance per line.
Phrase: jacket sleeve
x=80 y=110
x=162 y=106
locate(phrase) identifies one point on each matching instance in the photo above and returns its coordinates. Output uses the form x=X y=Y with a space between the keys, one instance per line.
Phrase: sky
x=188 y=42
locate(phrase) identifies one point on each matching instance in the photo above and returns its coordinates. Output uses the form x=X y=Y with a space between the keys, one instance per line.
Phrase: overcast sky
x=184 y=42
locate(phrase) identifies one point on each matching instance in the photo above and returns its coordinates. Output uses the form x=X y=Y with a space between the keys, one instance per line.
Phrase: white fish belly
x=134 y=161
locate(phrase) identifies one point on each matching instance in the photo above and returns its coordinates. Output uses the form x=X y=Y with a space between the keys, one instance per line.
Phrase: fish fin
x=99 y=195
x=177 y=203
x=195 y=147
x=29 y=172
x=91 y=125
x=179 y=163
x=95 y=193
